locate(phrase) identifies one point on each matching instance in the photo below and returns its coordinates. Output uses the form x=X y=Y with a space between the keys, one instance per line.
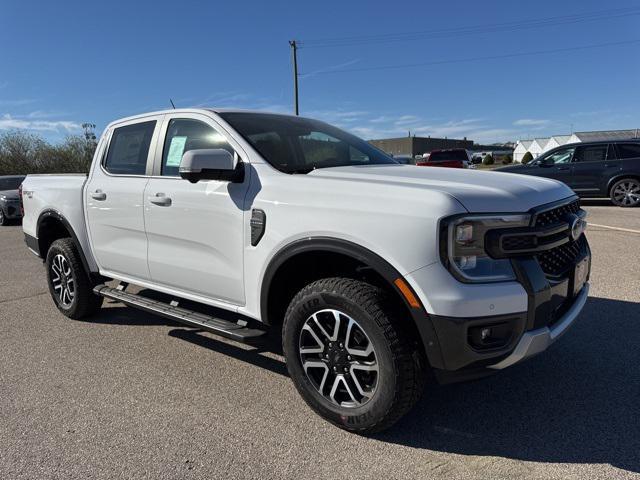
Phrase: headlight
x=463 y=249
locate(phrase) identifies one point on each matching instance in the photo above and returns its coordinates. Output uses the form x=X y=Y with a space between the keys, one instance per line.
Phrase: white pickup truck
x=376 y=273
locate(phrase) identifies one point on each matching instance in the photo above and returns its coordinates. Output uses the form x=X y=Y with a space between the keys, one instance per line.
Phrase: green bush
x=22 y=153
x=527 y=157
x=488 y=159
x=507 y=159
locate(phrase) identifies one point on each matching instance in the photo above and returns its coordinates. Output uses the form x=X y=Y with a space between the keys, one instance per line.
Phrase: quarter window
x=629 y=150
x=185 y=134
x=129 y=149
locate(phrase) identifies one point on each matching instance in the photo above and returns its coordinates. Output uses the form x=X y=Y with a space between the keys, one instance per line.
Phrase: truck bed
x=60 y=193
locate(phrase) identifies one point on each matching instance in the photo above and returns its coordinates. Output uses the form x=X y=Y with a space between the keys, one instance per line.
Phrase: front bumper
x=535 y=341
x=548 y=307
x=11 y=210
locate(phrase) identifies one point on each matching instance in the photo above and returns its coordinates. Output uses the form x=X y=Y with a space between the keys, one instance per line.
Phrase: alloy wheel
x=627 y=193
x=62 y=280
x=338 y=358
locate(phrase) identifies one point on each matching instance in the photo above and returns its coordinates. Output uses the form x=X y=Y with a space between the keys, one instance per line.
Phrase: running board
x=224 y=328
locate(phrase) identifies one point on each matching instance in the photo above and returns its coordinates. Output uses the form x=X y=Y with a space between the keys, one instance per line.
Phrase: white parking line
x=614 y=228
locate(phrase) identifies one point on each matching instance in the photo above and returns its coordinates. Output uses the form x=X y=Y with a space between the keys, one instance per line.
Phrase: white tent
x=538 y=146
x=522 y=147
x=556 y=141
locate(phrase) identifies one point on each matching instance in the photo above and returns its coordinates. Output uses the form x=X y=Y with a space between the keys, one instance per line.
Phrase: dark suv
x=592 y=169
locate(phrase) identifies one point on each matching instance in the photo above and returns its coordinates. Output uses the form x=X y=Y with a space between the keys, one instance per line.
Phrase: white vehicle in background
x=246 y=222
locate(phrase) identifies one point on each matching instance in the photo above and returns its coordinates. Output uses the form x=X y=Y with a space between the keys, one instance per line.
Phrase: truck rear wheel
x=349 y=355
x=69 y=285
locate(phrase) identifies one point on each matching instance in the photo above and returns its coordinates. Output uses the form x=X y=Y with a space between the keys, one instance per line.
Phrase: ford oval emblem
x=578 y=226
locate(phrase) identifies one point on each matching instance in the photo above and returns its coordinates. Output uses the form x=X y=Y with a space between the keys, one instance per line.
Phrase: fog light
x=495 y=335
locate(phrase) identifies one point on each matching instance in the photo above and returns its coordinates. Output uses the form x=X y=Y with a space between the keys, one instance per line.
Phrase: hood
x=478 y=191
x=10 y=194
x=512 y=168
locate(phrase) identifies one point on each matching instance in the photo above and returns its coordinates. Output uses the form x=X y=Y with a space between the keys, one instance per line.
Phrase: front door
x=113 y=198
x=195 y=231
x=555 y=164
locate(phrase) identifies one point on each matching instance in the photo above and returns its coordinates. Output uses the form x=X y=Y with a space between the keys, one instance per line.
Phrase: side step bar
x=224 y=328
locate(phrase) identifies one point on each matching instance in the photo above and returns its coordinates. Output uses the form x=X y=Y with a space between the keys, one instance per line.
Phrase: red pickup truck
x=452 y=158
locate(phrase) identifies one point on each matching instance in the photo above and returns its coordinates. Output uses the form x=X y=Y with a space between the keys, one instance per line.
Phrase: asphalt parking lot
x=130 y=395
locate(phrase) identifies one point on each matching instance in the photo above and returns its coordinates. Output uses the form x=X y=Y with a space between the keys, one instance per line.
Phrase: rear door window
x=628 y=150
x=591 y=153
x=129 y=149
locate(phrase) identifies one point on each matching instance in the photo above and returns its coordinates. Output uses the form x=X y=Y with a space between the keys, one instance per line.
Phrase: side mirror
x=211 y=164
x=547 y=162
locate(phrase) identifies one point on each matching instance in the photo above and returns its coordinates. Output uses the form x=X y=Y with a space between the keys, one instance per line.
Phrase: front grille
x=521 y=242
x=557 y=261
x=556 y=215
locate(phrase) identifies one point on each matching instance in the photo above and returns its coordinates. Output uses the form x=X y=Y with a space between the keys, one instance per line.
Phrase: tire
x=3 y=218
x=69 y=285
x=365 y=401
x=626 y=193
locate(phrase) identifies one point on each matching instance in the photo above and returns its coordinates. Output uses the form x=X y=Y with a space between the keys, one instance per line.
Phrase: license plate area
x=580 y=274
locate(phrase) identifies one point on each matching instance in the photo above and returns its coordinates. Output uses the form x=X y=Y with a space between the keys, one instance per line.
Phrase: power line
x=470 y=30
x=476 y=59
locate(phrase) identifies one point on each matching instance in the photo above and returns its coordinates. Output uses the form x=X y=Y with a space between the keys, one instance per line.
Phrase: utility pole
x=294 y=53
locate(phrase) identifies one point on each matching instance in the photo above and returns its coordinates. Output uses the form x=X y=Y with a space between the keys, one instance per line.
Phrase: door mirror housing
x=211 y=164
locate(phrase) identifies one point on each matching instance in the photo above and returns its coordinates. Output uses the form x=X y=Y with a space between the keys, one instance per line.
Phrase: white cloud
x=329 y=68
x=407 y=120
x=16 y=102
x=531 y=122
x=7 y=122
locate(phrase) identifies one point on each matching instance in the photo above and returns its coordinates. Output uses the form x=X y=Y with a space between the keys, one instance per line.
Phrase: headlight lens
x=464 y=251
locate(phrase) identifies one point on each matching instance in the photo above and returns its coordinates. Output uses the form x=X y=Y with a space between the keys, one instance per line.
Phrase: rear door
x=114 y=198
x=592 y=166
x=195 y=230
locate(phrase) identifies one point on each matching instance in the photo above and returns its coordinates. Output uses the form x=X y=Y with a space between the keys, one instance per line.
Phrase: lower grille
x=559 y=260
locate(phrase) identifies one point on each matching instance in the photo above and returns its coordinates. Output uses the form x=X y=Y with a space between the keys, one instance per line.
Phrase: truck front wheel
x=350 y=356
x=69 y=285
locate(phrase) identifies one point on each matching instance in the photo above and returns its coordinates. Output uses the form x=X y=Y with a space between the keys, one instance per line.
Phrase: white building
x=598 y=136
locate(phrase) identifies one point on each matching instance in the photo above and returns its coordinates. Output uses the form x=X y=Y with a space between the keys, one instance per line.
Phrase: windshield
x=10 y=183
x=299 y=145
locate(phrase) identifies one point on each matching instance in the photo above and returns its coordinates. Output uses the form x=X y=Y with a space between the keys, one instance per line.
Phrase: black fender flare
x=377 y=263
x=50 y=213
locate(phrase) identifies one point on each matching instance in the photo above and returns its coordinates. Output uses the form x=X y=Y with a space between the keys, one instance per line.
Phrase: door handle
x=99 y=195
x=563 y=168
x=161 y=200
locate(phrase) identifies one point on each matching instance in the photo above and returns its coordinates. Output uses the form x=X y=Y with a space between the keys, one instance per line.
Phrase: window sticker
x=176 y=149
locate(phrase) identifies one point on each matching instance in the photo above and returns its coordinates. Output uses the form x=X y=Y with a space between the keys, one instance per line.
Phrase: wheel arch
x=51 y=226
x=350 y=255
x=618 y=177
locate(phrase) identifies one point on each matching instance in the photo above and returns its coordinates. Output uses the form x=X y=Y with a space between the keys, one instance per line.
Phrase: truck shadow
x=579 y=402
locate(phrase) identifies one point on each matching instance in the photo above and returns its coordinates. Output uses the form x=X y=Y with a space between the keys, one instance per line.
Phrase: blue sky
x=64 y=63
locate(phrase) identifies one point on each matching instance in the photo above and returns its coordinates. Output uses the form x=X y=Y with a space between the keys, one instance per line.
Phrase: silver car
x=10 y=198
